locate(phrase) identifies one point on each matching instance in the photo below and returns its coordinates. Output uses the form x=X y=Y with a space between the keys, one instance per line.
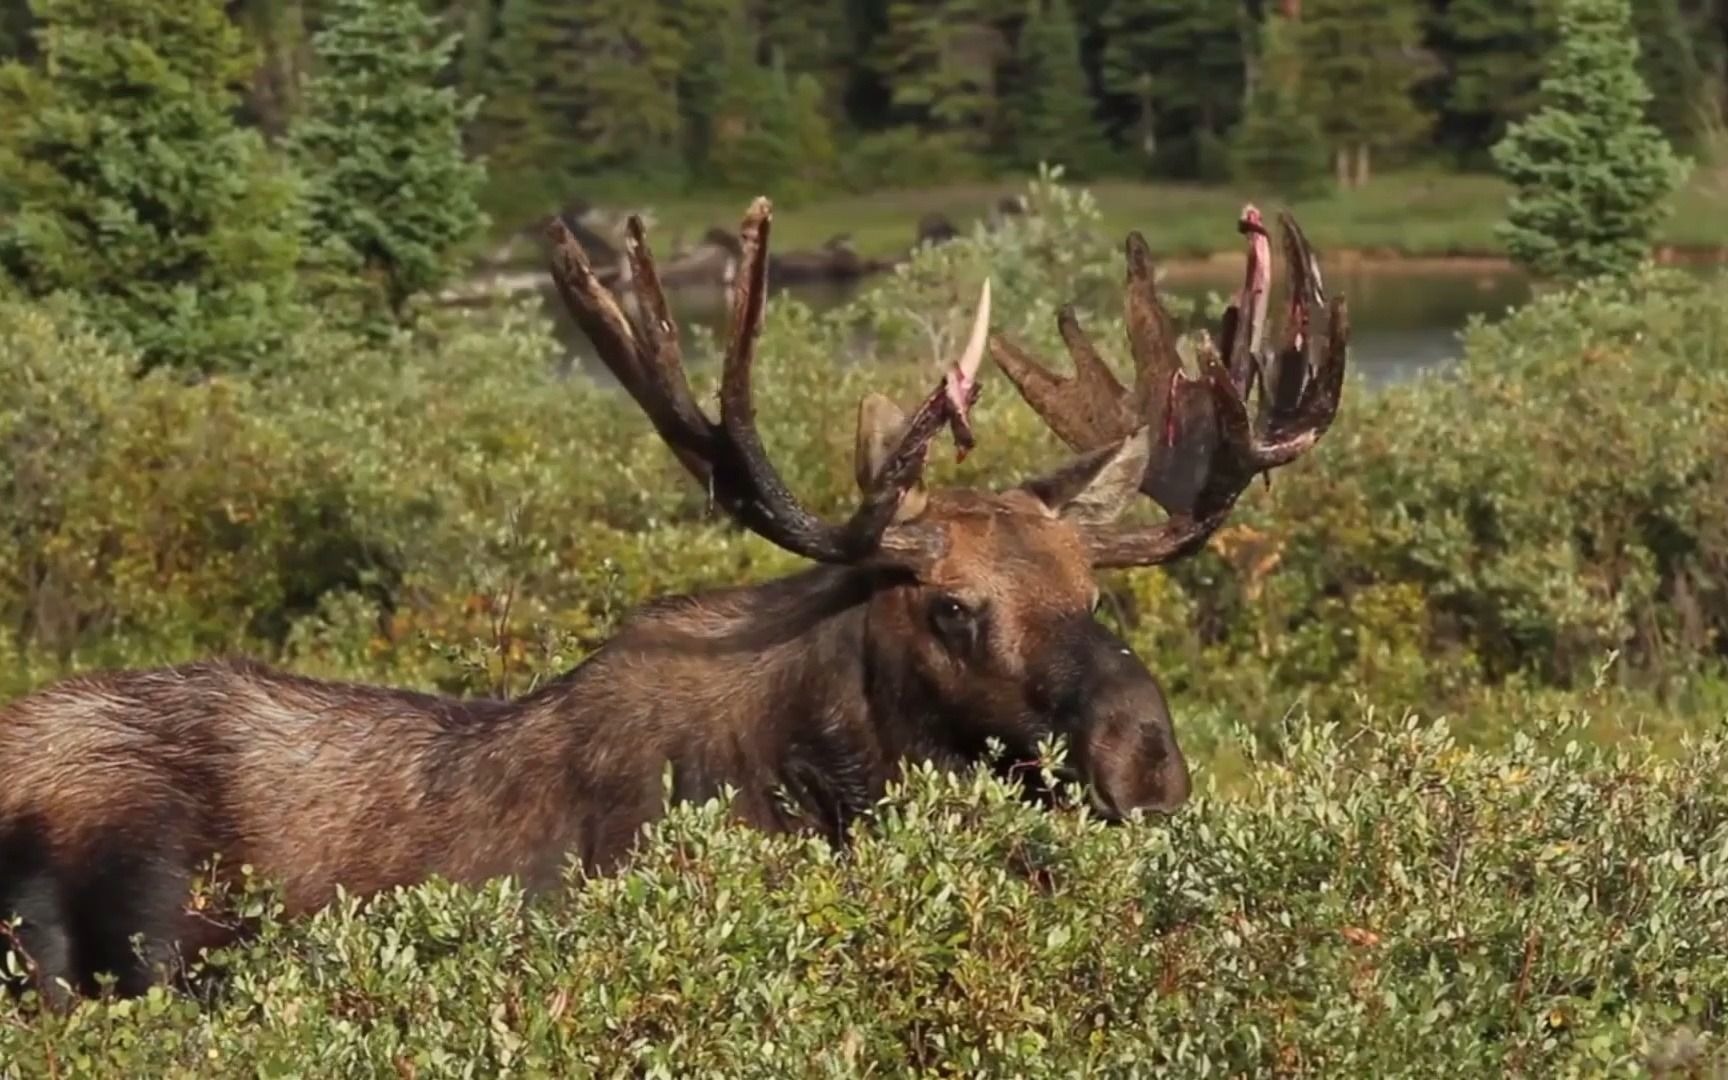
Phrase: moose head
x=979 y=617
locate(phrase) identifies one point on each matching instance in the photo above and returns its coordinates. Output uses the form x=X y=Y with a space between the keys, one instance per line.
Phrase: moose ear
x=1094 y=488
x=880 y=424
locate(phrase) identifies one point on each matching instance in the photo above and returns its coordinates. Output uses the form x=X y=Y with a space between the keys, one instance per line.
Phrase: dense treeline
x=867 y=92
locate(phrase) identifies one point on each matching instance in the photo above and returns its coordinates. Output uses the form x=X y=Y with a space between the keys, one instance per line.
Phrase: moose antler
x=1205 y=449
x=727 y=457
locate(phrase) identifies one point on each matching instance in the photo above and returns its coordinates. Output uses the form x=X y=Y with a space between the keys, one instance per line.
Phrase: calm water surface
x=1405 y=319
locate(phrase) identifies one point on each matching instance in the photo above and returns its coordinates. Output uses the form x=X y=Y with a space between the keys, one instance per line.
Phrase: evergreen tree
x=720 y=43
x=625 y=60
x=1361 y=60
x=1179 y=65
x=277 y=31
x=1670 y=65
x=1053 y=121
x=940 y=59
x=477 y=21
x=389 y=193
x=1494 y=49
x=125 y=182
x=16 y=26
x=1278 y=142
x=811 y=37
x=532 y=90
x=770 y=131
x=1591 y=175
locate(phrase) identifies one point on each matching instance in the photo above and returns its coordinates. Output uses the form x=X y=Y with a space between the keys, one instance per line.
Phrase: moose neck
x=771 y=689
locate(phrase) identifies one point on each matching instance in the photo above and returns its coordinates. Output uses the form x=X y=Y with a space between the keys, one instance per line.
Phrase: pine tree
x=1278 y=142
x=1053 y=121
x=1591 y=175
x=769 y=128
x=940 y=59
x=532 y=90
x=811 y=37
x=1495 y=50
x=1179 y=66
x=389 y=192
x=125 y=182
x=1360 y=62
x=1670 y=65
x=626 y=57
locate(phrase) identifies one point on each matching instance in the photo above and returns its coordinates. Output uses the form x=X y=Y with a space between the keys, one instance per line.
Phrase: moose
x=932 y=625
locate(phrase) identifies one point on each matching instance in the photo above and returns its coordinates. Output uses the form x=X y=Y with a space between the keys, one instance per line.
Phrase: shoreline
x=1394 y=261
x=503 y=282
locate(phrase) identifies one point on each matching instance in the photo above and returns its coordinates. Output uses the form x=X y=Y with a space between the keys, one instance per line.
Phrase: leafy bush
x=1398 y=906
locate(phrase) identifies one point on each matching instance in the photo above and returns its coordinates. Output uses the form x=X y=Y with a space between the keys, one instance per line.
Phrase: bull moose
x=933 y=623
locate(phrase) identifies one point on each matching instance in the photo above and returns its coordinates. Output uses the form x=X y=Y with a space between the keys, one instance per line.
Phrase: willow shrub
x=1394 y=906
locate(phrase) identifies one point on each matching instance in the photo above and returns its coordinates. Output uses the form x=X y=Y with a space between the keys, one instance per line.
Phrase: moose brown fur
x=934 y=622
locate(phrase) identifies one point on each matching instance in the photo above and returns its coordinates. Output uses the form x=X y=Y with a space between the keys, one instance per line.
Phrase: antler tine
x=1205 y=446
x=1091 y=408
x=780 y=516
x=1244 y=326
x=728 y=457
x=1291 y=368
x=653 y=374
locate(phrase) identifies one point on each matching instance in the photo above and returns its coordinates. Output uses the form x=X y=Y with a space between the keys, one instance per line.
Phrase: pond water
x=1405 y=319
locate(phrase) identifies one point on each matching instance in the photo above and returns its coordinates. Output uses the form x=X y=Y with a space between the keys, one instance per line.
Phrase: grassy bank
x=1408 y=214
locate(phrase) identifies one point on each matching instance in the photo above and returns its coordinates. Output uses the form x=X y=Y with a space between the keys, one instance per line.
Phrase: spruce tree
x=939 y=59
x=1360 y=62
x=1178 y=68
x=126 y=183
x=532 y=90
x=769 y=130
x=1591 y=175
x=1278 y=143
x=1670 y=65
x=390 y=195
x=625 y=59
x=1053 y=121
x=1494 y=49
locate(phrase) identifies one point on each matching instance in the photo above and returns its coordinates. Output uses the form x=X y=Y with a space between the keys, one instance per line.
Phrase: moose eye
x=953 y=621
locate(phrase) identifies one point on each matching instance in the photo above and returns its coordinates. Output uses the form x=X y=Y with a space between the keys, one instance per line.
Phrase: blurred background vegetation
x=602 y=99
x=238 y=412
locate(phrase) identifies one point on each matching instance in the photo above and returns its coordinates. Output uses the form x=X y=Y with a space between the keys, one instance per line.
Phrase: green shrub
x=1396 y=907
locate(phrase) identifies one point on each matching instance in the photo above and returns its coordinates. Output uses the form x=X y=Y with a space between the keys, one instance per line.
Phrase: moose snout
x=1133 y=763
x=1120 y=731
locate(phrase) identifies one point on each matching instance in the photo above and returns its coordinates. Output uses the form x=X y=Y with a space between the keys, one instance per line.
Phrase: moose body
x=937 y=622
